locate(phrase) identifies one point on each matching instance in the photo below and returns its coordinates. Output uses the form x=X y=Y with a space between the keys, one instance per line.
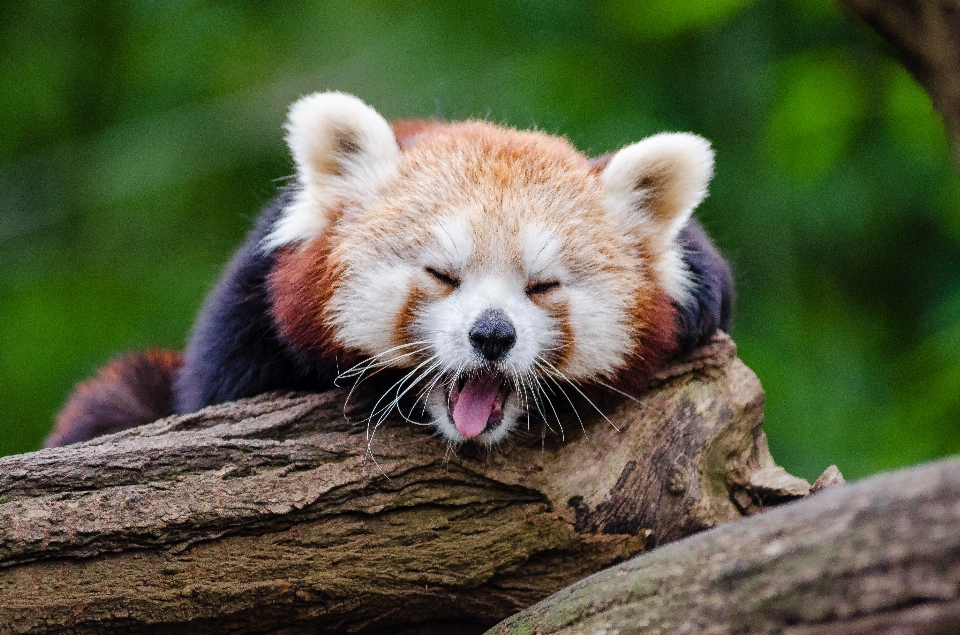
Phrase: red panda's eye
x=542 y=287
x=444 y=278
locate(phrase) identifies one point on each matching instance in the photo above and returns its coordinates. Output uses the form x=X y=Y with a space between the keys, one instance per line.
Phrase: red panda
x=491 y=266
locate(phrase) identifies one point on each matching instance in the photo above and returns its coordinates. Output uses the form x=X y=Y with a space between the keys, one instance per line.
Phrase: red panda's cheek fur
x=559 y=311
x=405 y=324
x=300 y=288
x=654 y=342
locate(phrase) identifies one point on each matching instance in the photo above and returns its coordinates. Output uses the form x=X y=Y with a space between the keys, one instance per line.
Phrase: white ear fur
x=663 y=177
x=653 y=187
x=344 y=151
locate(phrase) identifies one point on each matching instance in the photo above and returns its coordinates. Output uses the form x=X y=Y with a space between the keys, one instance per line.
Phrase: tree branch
x=926 y=36
x=878 y=557
x=274 y=515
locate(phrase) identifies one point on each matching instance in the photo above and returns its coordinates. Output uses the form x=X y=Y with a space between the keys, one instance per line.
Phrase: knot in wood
x=676 y=481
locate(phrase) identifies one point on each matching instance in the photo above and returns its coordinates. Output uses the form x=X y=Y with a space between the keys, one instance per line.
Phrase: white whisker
x=567 y=397
x=552 y=368
x=549 y=403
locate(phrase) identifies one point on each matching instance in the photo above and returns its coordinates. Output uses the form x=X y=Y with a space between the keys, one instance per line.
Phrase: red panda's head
x=501 y=267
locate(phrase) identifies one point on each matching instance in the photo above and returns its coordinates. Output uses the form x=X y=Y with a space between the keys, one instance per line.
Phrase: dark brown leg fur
x=127 y=392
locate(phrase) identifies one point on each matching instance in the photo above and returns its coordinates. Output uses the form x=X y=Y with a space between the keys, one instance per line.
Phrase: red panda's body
x=491 y=266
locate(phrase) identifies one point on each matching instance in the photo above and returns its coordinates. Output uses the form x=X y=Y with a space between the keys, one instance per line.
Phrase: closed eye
x=444 y=278
x=542 y=287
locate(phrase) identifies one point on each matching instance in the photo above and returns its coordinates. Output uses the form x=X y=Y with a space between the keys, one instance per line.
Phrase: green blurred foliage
x=139 y=139
x=660 y=19
x=814 y=120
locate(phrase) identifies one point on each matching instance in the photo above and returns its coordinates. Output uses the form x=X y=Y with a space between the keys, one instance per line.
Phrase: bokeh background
x=139 y=139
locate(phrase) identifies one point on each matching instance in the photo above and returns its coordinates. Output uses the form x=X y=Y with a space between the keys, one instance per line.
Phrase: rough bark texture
x=877 y=557
x=926 y=36
x=274 y=515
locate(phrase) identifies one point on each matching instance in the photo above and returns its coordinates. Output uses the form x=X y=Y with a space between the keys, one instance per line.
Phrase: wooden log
x=879 y=557
x=277 y=515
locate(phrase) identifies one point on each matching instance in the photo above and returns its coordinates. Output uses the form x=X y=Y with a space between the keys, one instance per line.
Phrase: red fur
x=404 y=326
x=559 y=354
x=300 y=287
x=409 y=131
x=655 y=342
x=127 y=392
x=598 y=164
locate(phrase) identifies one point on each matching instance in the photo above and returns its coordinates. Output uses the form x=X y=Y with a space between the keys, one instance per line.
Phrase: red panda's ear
x=660 y=179
x=651 y=188
x=344 y=151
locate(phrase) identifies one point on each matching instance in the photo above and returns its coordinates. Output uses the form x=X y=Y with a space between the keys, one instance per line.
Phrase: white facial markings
x=488 y=279
x=452 y=245
x=364 y=312
x=378 y=286
x=597 y=308
x=447 y=323
x=598 y=314
x=541 y=254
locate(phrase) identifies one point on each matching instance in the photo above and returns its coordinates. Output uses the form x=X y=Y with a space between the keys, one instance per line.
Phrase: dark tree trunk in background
x=926 y=36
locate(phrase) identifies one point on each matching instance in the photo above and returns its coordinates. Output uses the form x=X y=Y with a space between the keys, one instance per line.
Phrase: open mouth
x=476 y=402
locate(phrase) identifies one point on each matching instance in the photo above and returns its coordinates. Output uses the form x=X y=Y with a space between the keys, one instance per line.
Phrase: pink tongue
x=477 y=398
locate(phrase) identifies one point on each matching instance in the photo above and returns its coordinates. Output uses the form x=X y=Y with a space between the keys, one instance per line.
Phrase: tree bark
x=877 y=557
x=926 y=37
x=277 y=514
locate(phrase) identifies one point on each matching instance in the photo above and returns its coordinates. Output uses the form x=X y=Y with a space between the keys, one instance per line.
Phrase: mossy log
x=276 y=515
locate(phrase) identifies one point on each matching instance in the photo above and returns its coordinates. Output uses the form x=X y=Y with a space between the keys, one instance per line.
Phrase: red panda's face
x=498 y=267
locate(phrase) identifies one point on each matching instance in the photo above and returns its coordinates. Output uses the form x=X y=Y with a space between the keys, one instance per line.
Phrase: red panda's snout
x=487 y=343
x=492 y=335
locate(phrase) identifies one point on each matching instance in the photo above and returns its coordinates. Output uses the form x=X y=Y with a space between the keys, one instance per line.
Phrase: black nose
x=492 y=335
